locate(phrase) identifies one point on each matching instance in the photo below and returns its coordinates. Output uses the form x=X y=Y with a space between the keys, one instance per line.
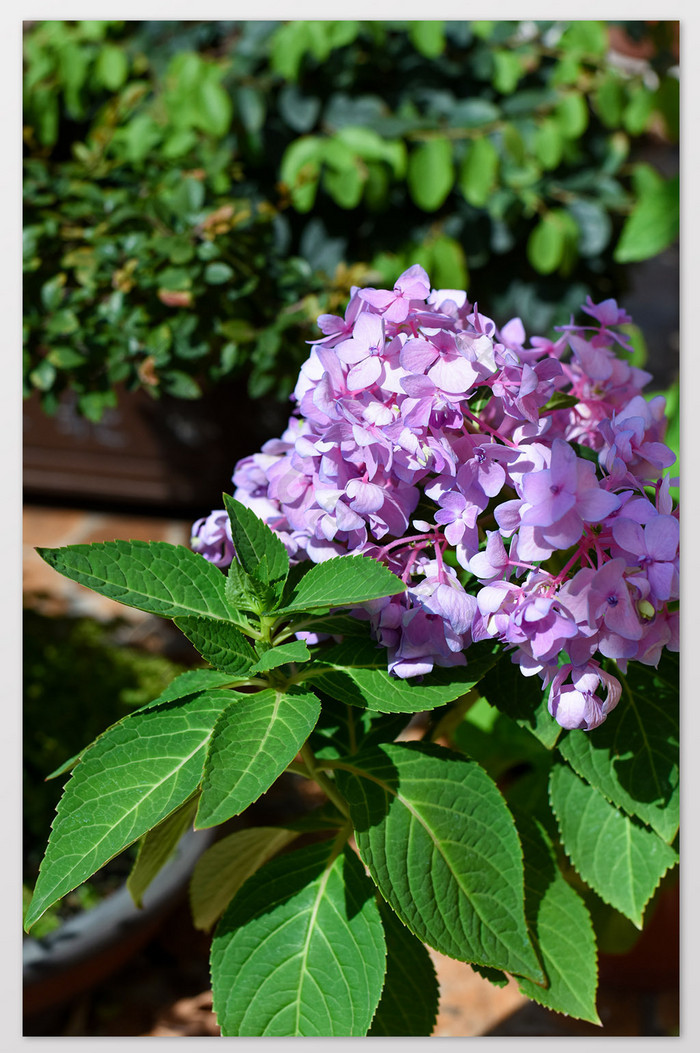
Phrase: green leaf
x=562 y=928
x=217 y=273
x=479 y=171
x=632 y=759
x=180 y=385
x=223 y=868
x=294 y=651
x=651 y=226
x=545 y=245
x=343 y=175
x=133 y=776
x=548 y=144
x=254 y=541
x=638 y=111
x=571 y=114
x=473 y=113
x=430 y=173
x=409 y=1001
x=214 y=108
x=355 y=672
x=112 y=67
x=427 y=37
x=254 y=740
x=343 y=581
x=619 y=858
x=300 y=169
x=156 y=848
x=300 y=950
x=609 y=100
x=153 y=576
x=507 y=71
x=220 y=643
x=193 y=682
x=441 y=845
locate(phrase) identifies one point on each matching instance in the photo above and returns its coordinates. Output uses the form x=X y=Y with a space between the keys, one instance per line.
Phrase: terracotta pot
x=90 y=946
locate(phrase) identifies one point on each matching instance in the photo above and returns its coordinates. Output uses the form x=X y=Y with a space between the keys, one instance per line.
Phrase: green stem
x=326 y=784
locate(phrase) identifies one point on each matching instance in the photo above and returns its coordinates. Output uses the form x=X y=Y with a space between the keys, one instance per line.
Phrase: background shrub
x=197 y=192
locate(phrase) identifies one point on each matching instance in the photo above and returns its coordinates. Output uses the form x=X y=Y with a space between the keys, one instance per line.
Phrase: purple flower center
x=612 y=600
x=555 y=489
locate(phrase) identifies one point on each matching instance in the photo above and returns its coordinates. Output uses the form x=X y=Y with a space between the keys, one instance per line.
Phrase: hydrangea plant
x=448 y=594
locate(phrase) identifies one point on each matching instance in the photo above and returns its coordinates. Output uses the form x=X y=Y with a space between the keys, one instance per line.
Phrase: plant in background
x=463 y=531
x=196 y=191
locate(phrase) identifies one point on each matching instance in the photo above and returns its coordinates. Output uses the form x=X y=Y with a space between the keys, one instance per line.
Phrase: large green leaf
x=477 y=176
x=619 y=858
x=254 y=740
x=254 y=541
x=220 y=643
x=300 y=950
x=652 y=225
x=409 y=1001
x=356 y=672
x=223 y=868
x=344 y=581
x=430 y=173
x=562 y=928
x=441 y=845
x=633 y=757
x=133 y=776
x=154 y=576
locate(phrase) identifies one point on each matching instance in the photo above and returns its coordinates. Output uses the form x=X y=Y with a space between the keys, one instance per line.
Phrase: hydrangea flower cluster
x=516 y=487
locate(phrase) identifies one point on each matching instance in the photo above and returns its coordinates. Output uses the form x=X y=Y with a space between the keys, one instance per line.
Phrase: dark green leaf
x=132 y=777
x=409 y=1001
x=254 y=740
x=300 y=950
x=619 y=858
x=652 y=225
x=355 y=672
x=441 y=845
x=479 y=170
x=561 y=924
x=153 y=576
x=632 y=759
x=343 y=581
x=220 y=643
x=253 y=540
x=430 y=174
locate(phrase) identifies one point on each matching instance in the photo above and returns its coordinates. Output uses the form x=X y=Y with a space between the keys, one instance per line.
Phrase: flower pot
x=90 y=946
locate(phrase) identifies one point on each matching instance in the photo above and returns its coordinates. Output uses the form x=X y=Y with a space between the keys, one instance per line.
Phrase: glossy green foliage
x=196 y=193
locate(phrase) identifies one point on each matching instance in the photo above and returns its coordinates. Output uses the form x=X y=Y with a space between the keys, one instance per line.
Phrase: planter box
x=171 y=454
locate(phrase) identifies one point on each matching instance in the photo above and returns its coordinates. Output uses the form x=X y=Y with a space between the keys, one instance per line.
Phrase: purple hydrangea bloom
x=211 y=537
